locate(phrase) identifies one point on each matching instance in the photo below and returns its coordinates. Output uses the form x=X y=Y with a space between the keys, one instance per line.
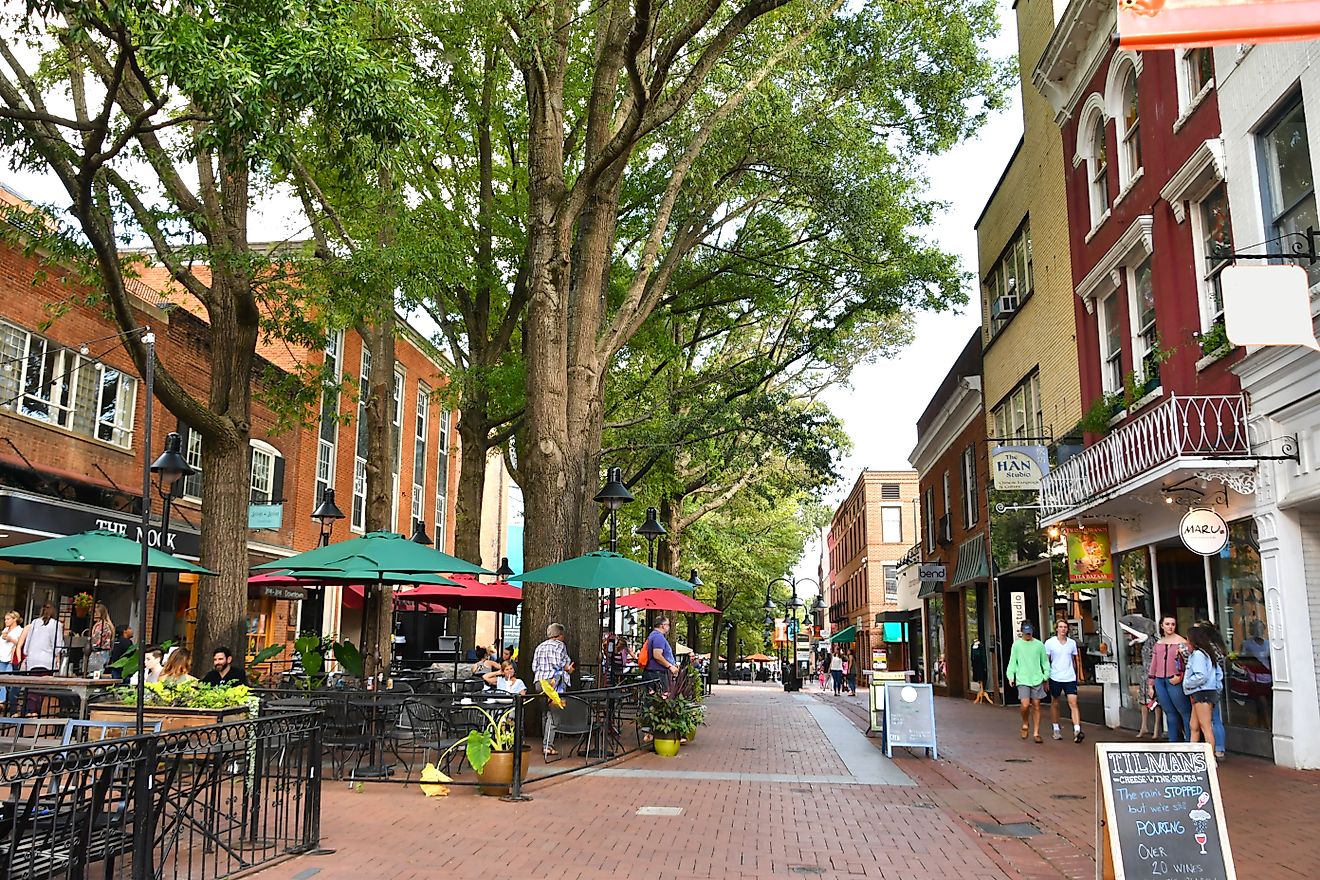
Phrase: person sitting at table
x=123 y=642
x=175 y=670
x=509 y=652
x=225 y=672
x=153 y=663
x=484 y=663
x=506 y=681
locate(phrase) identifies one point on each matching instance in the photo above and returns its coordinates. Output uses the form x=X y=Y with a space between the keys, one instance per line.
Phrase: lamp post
x=502 y=573
x=419 y=535
x=325 y=515
x=169 y=468
x=613 y=495
x=793 y=607
x=652 y=531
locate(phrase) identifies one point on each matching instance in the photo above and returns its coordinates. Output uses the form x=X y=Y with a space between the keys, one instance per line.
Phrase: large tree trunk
x=472 y=433
x=222 y=600
x=382 y=447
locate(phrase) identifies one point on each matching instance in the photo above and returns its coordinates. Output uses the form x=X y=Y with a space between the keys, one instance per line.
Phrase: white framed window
x=1012 y=280
x=1196 y=76
x=45 y=382
x=264 y=477
x=1129 y=130
x=192 y=452
x=891 y=582
x=396 y=435
x=1111 y=343
x=1141 y=301
x=423 y=426
x=327 y=440
x=928 y=518
x=1290 y=191
x=442 y=480
x=1214 y=237
x=948 y=494
x=1019 y=414
x=971 y=494
x=891 y=525
x=1096 y=153
x=358 y=518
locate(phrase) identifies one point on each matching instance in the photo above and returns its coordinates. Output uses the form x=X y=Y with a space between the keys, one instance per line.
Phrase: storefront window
x=935 y=640
x=259 y=617
x=1240 y=600
x=1136 y=608
x=975 y=651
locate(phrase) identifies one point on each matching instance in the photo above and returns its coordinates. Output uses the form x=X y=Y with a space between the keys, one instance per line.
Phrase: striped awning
x=972 y=563
x=844 y=635
x=929 y=588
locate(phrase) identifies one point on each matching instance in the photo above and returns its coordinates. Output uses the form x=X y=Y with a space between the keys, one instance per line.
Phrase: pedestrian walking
x=552 y=665
x=822 y=672
x=1217 y=717
x=657 y=657
x=836 y=671
x=1201 y=683
x=1065 y=667
x=1167 y=664
x=1028 y=668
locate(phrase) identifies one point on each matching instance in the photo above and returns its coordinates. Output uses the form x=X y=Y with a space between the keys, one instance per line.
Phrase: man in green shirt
x=1028 y=669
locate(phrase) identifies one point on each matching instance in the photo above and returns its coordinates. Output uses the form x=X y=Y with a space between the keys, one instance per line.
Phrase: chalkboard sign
x=909 y=717
x=1160 y=813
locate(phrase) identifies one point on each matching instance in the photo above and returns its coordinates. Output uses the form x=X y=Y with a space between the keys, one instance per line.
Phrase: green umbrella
x=602 y=570
x=377 y=552
x=97 y=549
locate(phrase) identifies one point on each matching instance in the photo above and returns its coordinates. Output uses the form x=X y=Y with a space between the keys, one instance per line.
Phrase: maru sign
x=1170 y=24
x=1203 y=531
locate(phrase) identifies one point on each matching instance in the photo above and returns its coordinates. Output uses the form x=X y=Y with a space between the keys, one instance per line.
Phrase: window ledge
x=1150 y=397
x=1193 y=105
x=1215 y=357
x=1096 y=228
x=105 y=445
x=1130 y=185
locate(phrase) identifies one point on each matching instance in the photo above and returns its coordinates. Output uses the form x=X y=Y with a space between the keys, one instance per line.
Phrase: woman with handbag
x=1167 y=664
x=102 y=639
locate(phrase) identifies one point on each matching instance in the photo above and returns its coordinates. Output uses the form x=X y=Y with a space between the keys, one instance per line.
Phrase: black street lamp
x=419 y=535
x=652 y=531
x=325 y=515
x=169 y=469
x=794 y=613
x=502 y=573
x=613 y=495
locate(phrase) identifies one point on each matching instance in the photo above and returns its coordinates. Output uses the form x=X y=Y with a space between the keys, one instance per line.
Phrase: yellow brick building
x=1026 y=276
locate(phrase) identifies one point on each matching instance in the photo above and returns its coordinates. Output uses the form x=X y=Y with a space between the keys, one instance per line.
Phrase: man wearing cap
x=1028 y=669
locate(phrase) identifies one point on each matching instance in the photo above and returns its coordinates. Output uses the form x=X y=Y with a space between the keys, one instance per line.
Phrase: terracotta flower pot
x=497 y=776
x=666 y=747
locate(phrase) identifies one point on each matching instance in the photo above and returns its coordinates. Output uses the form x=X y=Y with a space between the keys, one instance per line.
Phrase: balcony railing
x=911 y=557
x=1209 y=426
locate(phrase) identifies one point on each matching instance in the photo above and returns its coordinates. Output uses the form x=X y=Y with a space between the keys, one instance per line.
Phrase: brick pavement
x=586 y=826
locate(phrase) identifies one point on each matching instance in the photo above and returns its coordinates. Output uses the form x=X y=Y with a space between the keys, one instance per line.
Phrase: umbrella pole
x=149 y=380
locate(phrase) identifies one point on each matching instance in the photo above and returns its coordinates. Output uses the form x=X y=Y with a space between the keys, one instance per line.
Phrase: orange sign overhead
x=781 y=631
x=1169 y=24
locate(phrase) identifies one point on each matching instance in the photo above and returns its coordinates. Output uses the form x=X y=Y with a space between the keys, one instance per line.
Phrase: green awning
x=929 y=588
x=844 y=635
x=972 y=563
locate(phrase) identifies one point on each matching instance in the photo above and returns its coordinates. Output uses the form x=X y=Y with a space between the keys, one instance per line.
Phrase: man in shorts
x=1028 y=668
x=1065 y=661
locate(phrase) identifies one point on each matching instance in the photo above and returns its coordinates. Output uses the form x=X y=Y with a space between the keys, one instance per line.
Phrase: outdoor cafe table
x=380 y=708
x=82 y=688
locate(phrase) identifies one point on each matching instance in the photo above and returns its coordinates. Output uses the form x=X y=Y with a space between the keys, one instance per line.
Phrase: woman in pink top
x=1167 y=663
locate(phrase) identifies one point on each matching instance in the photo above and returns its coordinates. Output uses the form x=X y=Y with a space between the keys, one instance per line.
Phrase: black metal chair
x=346 y=729
x=432 y=732
x=575 y=719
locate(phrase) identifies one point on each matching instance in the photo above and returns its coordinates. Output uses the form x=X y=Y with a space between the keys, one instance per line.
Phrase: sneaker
x=1079 y=736
x=1058 y=735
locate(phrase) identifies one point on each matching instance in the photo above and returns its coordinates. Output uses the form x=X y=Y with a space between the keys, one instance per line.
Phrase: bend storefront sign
x=46 y=517
x=1019 y=468
x=1203 y=531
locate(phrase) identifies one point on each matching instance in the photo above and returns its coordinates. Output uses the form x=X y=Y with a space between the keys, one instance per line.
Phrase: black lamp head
x=696 y=580
x=769 y=620
x=172 y=465
x=326 y=512
x=796 y=602
x=419 y=535
x=819 y=604
x=505 y=571
x=769 y=603
x=651 y=529
x=613 y=494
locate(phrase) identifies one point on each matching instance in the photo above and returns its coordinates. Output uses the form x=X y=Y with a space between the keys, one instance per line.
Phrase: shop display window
x=1240 y=602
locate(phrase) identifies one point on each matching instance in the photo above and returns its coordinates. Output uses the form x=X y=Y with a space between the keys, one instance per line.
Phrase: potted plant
x=179 y=705
x=668 y=715
x=489 y=750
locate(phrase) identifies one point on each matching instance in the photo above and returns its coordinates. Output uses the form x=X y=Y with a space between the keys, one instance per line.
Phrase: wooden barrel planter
x=171 y=718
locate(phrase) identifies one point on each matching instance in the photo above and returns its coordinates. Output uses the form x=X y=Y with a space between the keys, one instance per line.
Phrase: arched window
x=1129 y=132
x=1097 y=168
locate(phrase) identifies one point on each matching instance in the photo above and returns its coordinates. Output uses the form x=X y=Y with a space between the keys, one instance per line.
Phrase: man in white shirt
x=1065 y=664
x=43 y=643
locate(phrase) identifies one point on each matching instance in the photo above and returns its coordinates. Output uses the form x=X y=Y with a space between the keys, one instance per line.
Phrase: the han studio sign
x=1203 y=531
x=1017 y=468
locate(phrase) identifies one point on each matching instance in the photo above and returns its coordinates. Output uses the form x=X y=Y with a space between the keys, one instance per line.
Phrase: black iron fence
x=195 y=804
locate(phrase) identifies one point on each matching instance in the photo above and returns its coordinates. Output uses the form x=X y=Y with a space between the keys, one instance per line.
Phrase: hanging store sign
x=1089 y=558
x=1172 y=24
x=1203 y=531
x=932 y=574
x=1017 y=468
x=266 y=516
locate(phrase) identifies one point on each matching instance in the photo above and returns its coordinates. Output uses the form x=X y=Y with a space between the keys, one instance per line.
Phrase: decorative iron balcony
x=1208 y=426
x=911 y=557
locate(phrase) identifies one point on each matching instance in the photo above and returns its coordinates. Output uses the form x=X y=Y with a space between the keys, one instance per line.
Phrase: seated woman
x=175 y=670
x=506 y=681
x=484 y=663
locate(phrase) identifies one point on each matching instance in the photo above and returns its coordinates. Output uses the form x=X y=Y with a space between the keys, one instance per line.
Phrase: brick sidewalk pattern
x=585 y=826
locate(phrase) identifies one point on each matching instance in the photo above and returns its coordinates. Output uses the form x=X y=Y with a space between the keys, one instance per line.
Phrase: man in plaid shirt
x=550 y=662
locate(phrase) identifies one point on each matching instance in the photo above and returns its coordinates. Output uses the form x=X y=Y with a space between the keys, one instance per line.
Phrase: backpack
x=644 y=655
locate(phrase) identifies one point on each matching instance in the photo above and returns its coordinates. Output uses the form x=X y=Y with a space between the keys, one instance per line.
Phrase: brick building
x=958 y=626
x=870 y=532
x=71 y=455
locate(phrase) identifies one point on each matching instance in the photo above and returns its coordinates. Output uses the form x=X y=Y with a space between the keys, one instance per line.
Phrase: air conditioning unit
x=1003 y=307
x=944 y=529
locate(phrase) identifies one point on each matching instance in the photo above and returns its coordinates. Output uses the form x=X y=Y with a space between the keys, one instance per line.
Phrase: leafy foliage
x=189 y=695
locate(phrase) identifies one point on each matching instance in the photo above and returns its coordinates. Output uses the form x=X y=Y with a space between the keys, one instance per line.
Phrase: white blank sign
x=1267 y=305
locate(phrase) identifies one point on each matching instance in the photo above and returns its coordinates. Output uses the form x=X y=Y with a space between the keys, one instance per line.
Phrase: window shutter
x=277 y=480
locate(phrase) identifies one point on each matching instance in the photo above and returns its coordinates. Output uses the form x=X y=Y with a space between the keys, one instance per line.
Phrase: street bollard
x=515 y=787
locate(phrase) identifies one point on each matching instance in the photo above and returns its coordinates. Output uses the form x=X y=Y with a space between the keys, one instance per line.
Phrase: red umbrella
x=353 y=599
x=471 y=595
x=666 y=600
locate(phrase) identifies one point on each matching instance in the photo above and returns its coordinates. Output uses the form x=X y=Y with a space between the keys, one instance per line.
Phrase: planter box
x=170 y=717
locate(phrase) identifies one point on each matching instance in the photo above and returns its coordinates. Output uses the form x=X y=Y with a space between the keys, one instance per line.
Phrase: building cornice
x=963 y=407
x=1132 y=246
x=1196 y=178
x=1076 y=48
